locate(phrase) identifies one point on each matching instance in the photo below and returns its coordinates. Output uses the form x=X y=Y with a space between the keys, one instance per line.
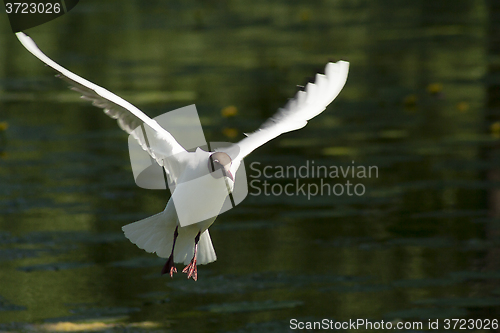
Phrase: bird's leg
x=169 y=265
x=191 y=269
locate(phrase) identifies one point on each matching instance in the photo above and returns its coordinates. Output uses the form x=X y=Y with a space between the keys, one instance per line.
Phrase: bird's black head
x=220 y=161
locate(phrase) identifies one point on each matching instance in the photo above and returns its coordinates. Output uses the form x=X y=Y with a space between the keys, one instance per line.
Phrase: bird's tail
x=155 y=234
x=206 y=253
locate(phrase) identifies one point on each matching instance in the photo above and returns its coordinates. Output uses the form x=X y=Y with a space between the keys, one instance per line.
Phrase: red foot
x=169 y=267
x=191 y=270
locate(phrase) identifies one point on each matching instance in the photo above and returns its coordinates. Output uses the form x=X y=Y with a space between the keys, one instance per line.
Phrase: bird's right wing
x=306 y=105
x=160 y=145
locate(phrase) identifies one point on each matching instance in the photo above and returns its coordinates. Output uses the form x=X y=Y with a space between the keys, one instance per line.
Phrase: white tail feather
x=155 y=234
x=206 y=252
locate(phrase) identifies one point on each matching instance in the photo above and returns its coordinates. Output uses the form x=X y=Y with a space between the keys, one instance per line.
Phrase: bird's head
x=220 y=161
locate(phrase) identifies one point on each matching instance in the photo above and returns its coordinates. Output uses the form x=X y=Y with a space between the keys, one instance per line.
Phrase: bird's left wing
x=306 y=105
x=162 y=146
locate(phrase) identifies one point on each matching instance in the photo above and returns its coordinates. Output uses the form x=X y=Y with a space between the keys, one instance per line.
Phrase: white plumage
x=155 y=234
x=306 y=105
x=158 y=233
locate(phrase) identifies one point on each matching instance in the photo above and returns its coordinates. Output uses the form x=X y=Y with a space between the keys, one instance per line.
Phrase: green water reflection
x=420 y=104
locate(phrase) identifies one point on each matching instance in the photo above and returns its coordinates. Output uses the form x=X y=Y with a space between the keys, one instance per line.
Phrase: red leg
x=169 y=265
x=191 y=269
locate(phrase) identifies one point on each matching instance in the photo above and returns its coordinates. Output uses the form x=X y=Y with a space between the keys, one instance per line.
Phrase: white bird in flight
x=162 y=233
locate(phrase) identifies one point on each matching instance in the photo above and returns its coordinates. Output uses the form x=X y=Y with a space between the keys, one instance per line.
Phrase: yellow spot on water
x=77 y=327
x=230 y=132
x=463 y=106
x=410 y=102
x=229 y=111
x=338 y=151
x=305 y=15
x=96 y=327
x=3 y=126
x=434 y=88
x=495 y=129
x=393 y=134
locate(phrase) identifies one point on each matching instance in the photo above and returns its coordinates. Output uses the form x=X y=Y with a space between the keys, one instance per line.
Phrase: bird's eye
x=214 y=165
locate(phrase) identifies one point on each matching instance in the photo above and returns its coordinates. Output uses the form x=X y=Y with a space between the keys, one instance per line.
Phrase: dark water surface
x=420 y=105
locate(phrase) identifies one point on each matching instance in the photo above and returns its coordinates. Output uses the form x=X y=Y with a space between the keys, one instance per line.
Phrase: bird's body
x=201 y=180
x=155 y=234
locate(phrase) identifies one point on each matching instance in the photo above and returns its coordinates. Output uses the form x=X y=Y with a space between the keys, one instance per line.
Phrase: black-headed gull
x=162 y=233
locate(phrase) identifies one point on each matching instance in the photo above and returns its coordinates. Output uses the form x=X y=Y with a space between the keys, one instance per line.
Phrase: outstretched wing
x=160 y=145
x=306 y=105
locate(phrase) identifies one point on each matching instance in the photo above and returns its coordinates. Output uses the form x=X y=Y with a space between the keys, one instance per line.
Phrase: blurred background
x=422 y=103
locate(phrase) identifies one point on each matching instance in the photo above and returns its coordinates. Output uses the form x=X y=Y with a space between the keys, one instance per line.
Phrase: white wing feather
x=306 y=105
x=161 y=145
